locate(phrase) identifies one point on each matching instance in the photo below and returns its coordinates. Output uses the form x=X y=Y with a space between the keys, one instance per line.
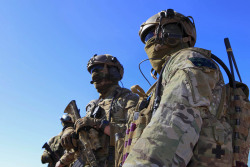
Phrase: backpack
x=237 y=111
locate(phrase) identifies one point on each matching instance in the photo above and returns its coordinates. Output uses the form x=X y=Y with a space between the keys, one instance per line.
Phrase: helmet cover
x=105 y=59
x=185 y=22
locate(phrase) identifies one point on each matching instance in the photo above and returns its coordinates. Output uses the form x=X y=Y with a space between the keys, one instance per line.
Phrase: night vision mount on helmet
x=157 y=23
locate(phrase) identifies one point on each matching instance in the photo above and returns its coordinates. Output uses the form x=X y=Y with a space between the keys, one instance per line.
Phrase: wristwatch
x=103 y=125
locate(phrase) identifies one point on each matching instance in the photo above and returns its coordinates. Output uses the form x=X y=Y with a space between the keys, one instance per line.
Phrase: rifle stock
x=72 y=110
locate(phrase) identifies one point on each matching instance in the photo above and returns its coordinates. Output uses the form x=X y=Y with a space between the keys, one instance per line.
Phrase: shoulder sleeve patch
x=202 y=62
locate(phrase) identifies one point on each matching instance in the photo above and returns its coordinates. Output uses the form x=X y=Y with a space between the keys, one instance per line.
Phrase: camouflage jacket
x=185 y=129
x=121 y=114
x=70 y=157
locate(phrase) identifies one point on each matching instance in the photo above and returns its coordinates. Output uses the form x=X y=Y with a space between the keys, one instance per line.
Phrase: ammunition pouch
x=142 y=116
x=119 y=144
x=134 y=132
x=94 y=139
x=94 y=111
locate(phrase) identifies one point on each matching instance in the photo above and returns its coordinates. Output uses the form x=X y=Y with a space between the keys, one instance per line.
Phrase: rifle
x=72 y=110
x=54 y=156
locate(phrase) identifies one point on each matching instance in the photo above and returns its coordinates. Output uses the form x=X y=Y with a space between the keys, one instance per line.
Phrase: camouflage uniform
x=122 y=106
x=56 y=147
x=71 y=157
x=55 y=144
x=190 y=97
x=121 y=114
x=186 y=128
x=107 y=70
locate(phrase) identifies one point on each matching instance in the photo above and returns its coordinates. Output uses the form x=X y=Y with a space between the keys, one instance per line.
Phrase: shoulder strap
x=158 y=91
x=220 y=62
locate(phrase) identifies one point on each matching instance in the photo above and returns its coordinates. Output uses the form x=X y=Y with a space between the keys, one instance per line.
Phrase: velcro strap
x=241 y=130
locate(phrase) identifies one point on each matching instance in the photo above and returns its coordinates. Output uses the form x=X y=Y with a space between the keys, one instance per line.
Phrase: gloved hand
x=59 y=164
x=67 y=140
x=87 y=122
x=46 y=158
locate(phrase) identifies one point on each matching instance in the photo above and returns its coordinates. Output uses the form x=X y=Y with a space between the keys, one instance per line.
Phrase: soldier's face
x=103 y=85
x=162 y=44
x=98 y=73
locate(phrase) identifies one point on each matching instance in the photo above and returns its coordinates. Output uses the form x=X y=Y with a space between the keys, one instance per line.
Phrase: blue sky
x=45 y=46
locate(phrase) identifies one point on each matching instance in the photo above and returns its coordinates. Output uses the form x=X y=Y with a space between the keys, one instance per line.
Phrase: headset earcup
x=114 y=73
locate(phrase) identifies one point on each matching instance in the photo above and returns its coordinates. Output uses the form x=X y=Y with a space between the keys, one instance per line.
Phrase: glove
x=59 y=164
x=67 y=140
x=46 y=158
x=68 y=158
x=87 y=122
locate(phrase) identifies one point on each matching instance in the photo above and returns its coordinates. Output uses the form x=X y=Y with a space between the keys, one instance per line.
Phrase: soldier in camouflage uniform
x=106 y=117
x=182 y=125
x=55 y=144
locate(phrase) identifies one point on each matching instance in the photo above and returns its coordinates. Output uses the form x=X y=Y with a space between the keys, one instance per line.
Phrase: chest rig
x=142 y=117
x=101 y=109
x=110 y=109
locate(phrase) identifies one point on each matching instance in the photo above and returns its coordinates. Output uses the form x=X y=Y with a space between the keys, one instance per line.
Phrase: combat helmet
x=111 y=64
x=66 y=120
x=167 y=17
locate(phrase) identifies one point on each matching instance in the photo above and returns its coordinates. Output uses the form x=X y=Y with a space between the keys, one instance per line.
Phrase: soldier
x=183 y=123
x=106 y=117
x=56 y=150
